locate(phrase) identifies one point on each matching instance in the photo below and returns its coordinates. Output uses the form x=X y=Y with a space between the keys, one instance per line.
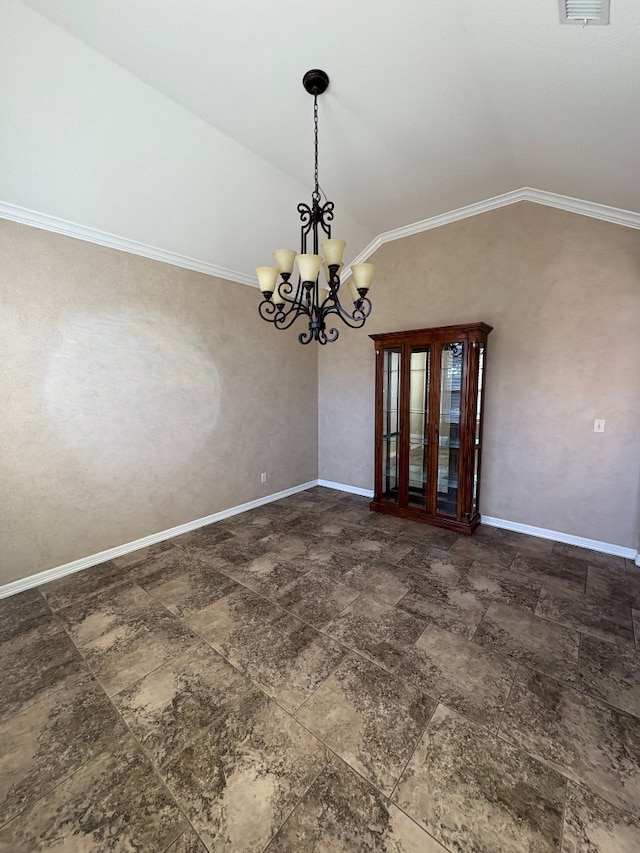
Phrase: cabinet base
x=466 y=527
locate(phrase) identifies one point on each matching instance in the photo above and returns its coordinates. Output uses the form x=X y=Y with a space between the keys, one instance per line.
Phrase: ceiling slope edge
x=614 y=215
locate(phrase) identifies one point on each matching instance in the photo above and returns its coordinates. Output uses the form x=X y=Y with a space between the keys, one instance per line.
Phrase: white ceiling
x=432 y=105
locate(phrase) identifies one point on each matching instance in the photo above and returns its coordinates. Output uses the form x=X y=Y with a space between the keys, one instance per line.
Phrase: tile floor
x=311 y=676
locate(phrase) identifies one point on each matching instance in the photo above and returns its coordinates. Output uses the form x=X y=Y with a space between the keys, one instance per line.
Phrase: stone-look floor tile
x=240 y=617
x=266 y=574
x=636 y=627
x=364 y=539
x=632 y=568
x=291 y=546
x=172 y=705
x=454 y=610
x=474 y=792
x=613 y=585
x=124 y=634
x=330 y=559
x=571 y=574
x=610 y=621
x=114 y=802
x=377 y=630
x=592 y=825
x=242 y=778
x=315 y=598
x=595 y=558
x=188 y=842
x=482 y=551
x=133 y=558
x=522 y=542
x=334 y=527
x=434 y=572
x=462 y=675
x=369 y=718
x=378 y=578
x=285 y=657
x=522 y=636
x=343 y=512
x=34 y=665
x=51 y=739
x=231 y=552
x=21 y=613
x=493 y=583
x=264 y=521
x=610 y=672
x=203 y=540
x=591 y=743
x=75 y=588
x=341 y=813
x=393 y=524
x=182 y=582
x=426 y=537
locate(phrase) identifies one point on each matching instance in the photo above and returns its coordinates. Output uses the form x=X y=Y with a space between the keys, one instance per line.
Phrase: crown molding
x=614 y=215
x=113 y=241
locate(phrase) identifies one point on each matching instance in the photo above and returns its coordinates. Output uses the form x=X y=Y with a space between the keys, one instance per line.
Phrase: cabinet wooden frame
x=473 y=337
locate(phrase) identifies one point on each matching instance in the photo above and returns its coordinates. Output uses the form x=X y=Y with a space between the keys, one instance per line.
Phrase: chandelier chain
x=316 y=192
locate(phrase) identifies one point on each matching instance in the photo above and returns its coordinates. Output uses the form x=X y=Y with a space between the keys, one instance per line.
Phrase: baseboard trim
x=341 y=487
x=120 y=550
x=23 y=584
x=517 y=527
x=557 y=536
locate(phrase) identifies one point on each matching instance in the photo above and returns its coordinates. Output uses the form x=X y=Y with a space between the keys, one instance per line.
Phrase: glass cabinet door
x=477 y=448
x=449 y=428
x=391 y=424
x=419 y=385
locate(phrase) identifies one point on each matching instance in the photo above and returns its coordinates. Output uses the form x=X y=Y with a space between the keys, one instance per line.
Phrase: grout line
x=286 y=820
x=143 y=749
x=413 y=751
x=504 y=707
x=564 y=813
x=114 y=739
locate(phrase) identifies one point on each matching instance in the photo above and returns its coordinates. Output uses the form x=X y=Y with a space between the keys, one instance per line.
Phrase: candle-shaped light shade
x=284 y=259
x=308 y=266
x=327 y=274
x=363 y=274
x=267 y=277
x=333 y=251
x=322 y=295
x=353 y=290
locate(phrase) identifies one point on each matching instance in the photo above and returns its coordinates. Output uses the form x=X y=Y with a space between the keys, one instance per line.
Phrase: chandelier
x=283 y=302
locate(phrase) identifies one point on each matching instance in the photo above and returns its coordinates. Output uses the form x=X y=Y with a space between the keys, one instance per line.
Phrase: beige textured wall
x=563 y=294
x=135 y=396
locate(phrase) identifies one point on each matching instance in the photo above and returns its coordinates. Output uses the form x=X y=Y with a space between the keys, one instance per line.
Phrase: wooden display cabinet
x=429 y=401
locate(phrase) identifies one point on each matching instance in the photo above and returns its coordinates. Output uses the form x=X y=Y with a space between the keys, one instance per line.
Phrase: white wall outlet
x=598 y=425
x=263 y=476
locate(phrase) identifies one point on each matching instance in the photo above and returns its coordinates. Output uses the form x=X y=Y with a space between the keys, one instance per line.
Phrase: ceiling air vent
x=584 y=12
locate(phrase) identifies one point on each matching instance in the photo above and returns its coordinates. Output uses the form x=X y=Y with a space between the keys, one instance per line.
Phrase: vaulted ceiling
x=431 y=105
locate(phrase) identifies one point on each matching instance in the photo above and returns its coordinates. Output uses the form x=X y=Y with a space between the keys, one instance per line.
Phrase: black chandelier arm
x=306 y=337
x=355 y=320
x=323 y=337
